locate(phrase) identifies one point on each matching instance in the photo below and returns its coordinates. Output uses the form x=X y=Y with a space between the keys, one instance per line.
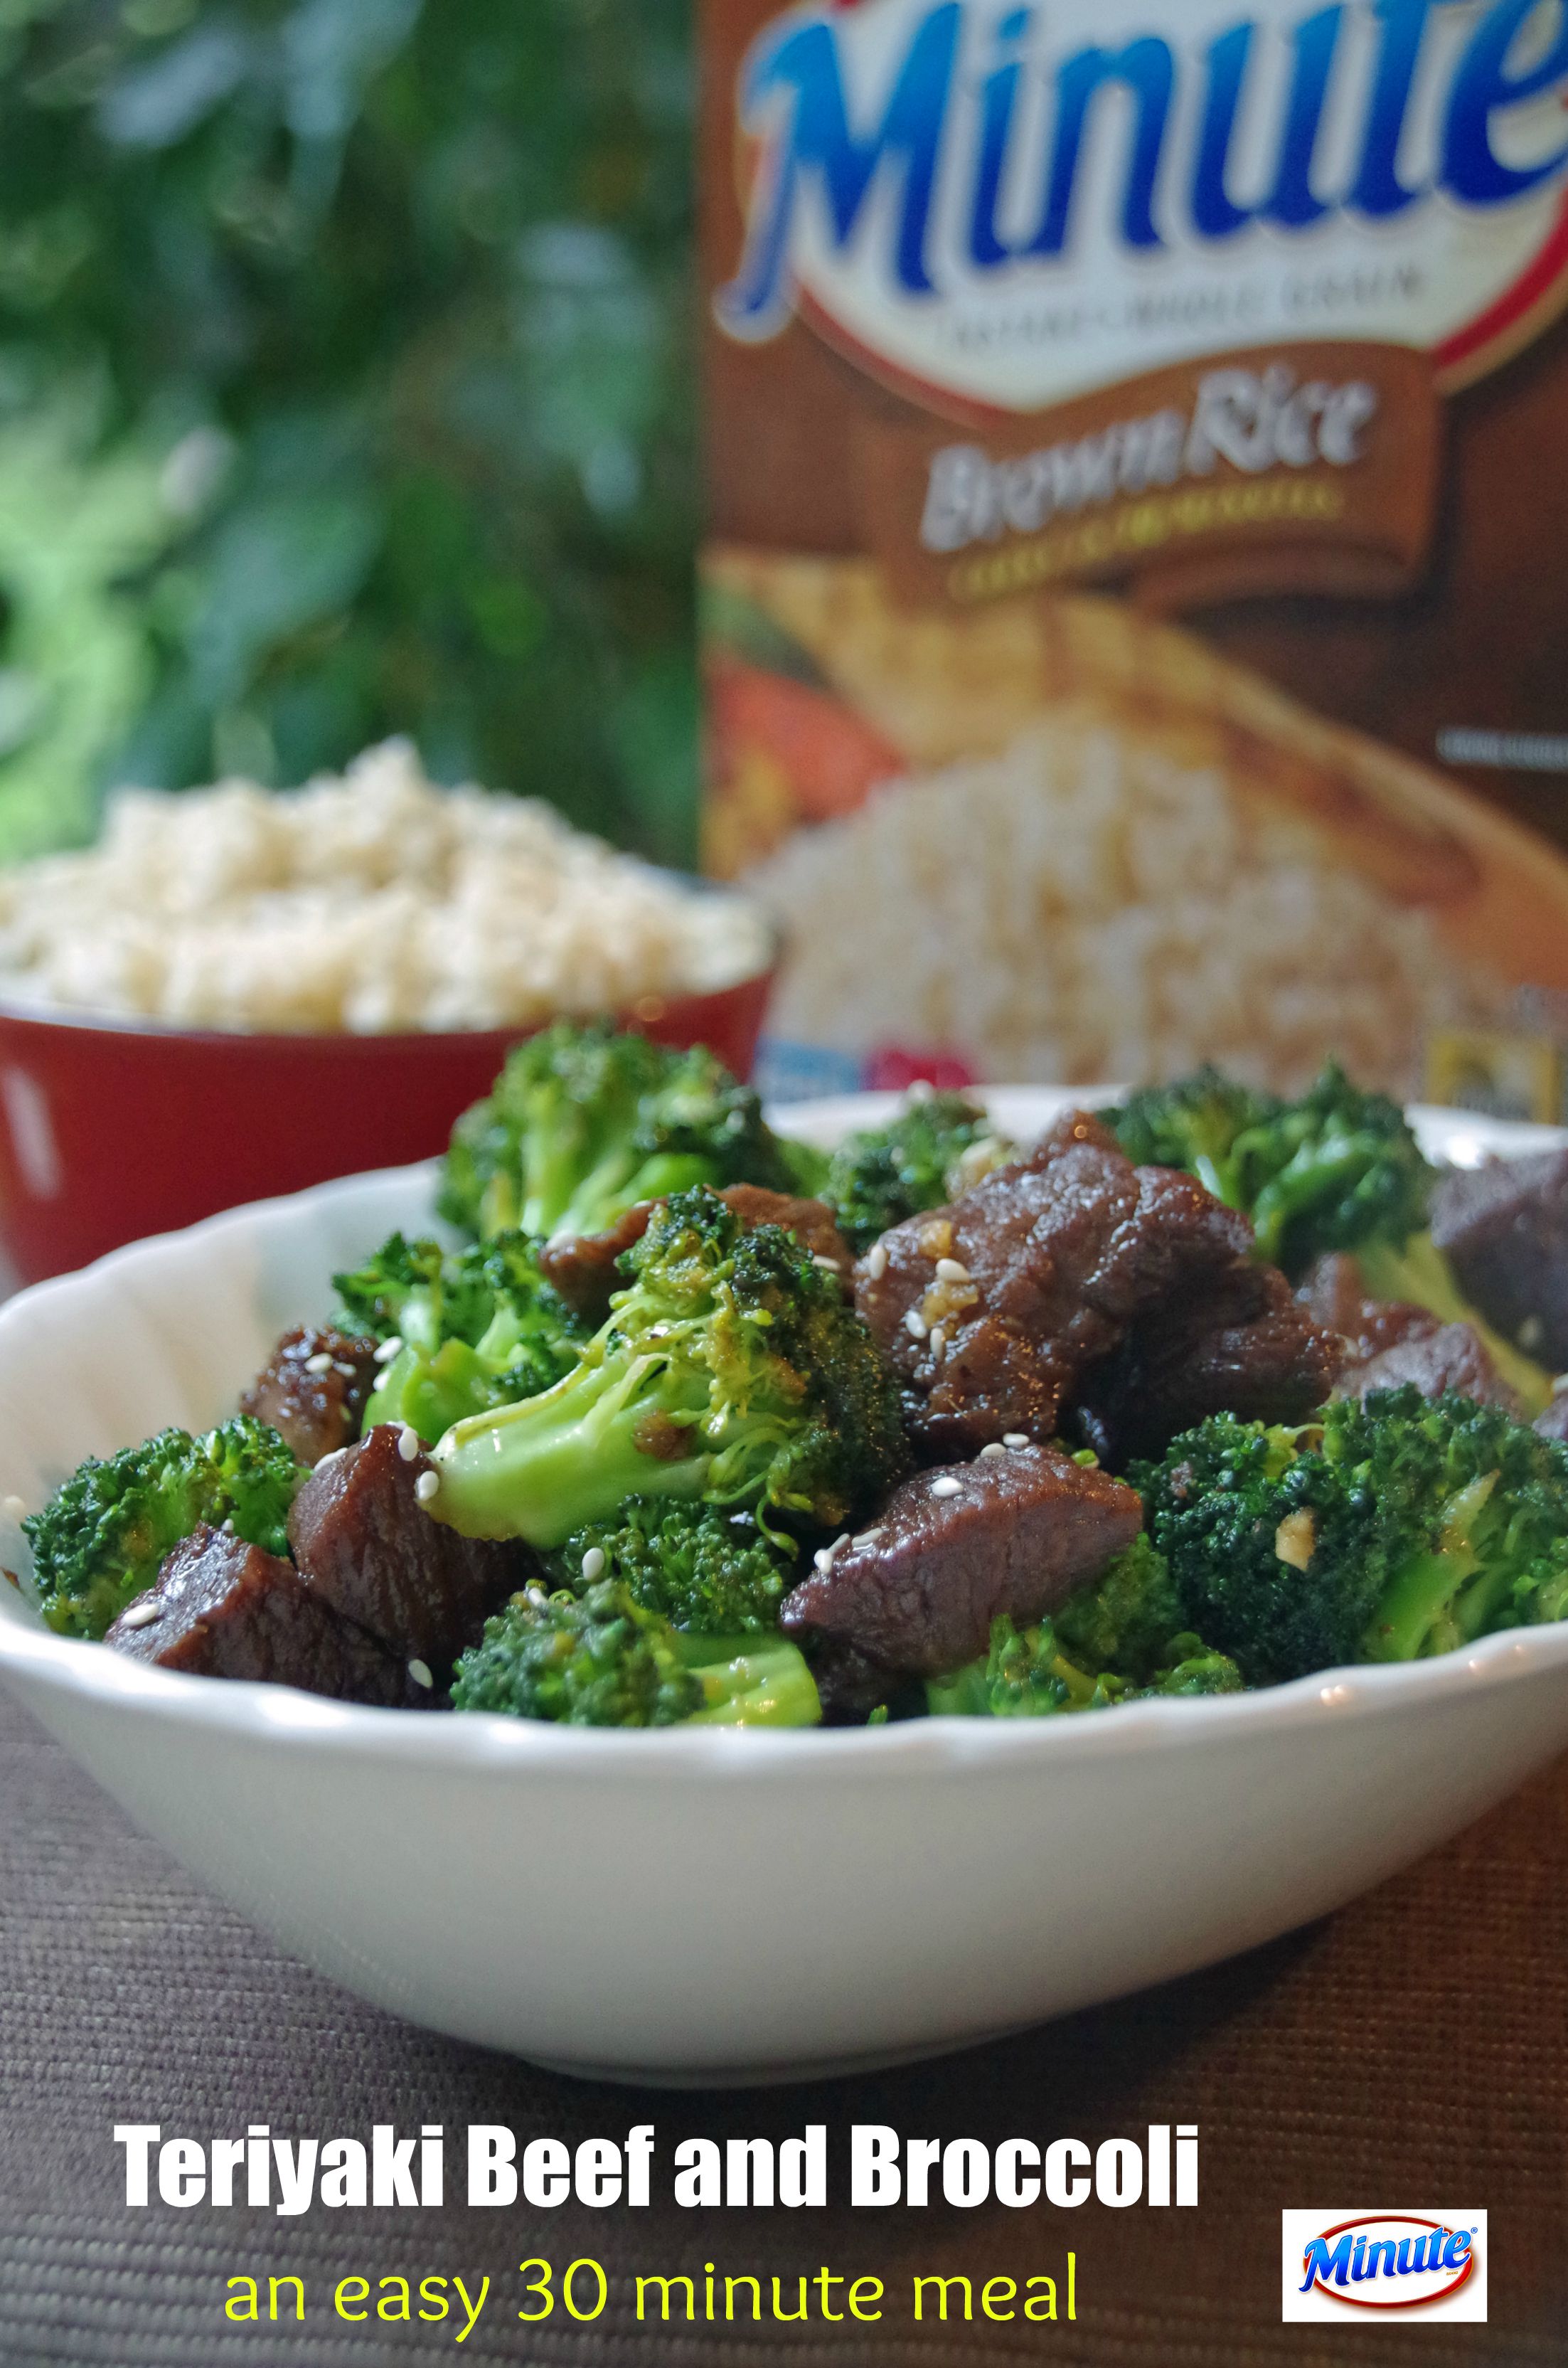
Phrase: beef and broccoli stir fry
x=695 y=1425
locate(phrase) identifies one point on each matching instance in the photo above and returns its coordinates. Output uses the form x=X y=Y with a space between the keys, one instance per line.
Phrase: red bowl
x=113 y=1129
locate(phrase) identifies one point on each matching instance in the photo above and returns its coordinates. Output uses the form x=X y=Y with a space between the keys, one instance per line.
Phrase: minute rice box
x=1136 y=609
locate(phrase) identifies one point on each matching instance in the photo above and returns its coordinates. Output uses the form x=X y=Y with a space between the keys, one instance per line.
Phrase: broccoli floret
x=715 y=1573
x=101 y=1540
x=596 y=1661
x=935 y=1149
x=807 y=1167
x=1122 y=1638
x=1195 y=1123
x=599 y=1659
x=403 y=1291
x=1417 y=1271
x=732 y=1371
x=1198 y=1671
x=1125 y=1619
x=584 y=1122
x=1026 y=1674
x=479 y=1327
x=1332 y=1171
x=1336 y=1170
x=1378 y=1532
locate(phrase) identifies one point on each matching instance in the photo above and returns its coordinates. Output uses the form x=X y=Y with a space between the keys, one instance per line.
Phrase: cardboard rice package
x=1136 y=611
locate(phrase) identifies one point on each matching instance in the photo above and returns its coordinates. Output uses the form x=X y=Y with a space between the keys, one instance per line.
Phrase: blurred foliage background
x=345 y=387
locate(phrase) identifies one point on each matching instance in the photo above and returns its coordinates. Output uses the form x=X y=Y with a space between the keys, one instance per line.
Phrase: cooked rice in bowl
x=1083 y=907
x=367 y=904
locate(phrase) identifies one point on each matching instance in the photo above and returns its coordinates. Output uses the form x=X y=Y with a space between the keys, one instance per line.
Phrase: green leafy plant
x=362 y=328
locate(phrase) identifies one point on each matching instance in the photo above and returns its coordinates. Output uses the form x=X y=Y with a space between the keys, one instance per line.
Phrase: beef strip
x=1073 y=1126
x=1243 y=1343
x=1447 y=1356
x=223 y=1609
x=1503 y=1228
x=1016 y=1533
x=366 y=1546
x=584 y=1268
x=989 y=1309
x=317 y=1413
x=848 y=1686
x=1389 y=1343
x=1334 y=1291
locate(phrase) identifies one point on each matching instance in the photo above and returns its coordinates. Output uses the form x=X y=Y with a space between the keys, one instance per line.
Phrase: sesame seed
x=593 y=1564
x=339 y=1366
x=938 y=1341
x=830 y=1265
x=946 y=1486
x=920 y=1091
x=914 y=1324
x=420 y=1672
x=1014 y=1438
x=142 y=1616
x=334 y=1455
x=319 y=1364
x=408 y=1444
x=951 y=1270
x=876 y=1260
x=992 y=1448
x=229 y=1529
x=868 y=1537
x=389 y=1349
x=428 y=1486
x=14 y=1509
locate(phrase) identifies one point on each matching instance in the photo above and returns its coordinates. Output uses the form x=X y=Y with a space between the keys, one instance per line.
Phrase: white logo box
x=1415 y=2267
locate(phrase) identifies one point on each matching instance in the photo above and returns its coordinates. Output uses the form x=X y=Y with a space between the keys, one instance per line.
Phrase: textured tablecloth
x=1412 y=2051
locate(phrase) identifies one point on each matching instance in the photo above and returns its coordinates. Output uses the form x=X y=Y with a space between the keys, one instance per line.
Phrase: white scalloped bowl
x=709 y=1907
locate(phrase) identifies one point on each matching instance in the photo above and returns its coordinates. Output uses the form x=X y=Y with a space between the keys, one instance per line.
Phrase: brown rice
x=1084 y=907
x=368 y=903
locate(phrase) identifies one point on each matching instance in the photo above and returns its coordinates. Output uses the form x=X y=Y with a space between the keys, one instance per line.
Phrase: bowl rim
x=484 y=1743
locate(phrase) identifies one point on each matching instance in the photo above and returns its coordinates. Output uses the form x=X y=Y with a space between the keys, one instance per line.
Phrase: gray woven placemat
x=1413 y=2051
